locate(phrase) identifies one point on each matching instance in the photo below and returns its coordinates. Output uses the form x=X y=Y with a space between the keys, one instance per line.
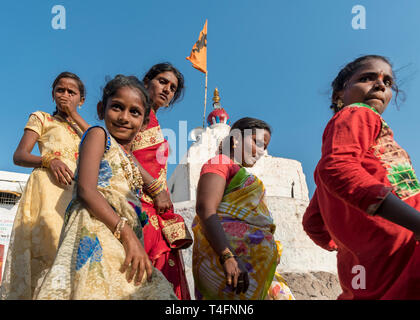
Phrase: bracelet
x=224 y=256
x=118 y=228
x=154 y=188
x=46 y=160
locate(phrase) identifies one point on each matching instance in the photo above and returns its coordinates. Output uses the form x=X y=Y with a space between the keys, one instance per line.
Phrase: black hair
x=167 y=67
x=119 y=82
x=250 y=123
x=349 y=70
x=66 y=74
x=243 y=124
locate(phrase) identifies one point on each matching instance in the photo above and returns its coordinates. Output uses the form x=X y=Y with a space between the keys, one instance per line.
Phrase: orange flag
x=198 y=56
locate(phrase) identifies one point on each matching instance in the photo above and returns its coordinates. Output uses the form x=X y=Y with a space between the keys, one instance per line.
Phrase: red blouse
x=221 y=165
x=360 y=165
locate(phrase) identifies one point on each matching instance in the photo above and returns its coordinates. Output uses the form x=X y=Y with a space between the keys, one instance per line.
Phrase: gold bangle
x=159 y=190
x=118 y=228
x=154 y=188
x=152 y=185
x=46 y=159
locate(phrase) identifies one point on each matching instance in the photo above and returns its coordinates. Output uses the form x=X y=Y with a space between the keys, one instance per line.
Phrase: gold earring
x=340 y=103
x=235 y=143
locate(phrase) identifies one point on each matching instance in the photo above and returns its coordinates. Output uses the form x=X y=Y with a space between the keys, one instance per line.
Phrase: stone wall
x=309 y=270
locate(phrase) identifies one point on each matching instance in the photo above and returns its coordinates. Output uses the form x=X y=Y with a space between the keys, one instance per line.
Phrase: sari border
x=148 y=138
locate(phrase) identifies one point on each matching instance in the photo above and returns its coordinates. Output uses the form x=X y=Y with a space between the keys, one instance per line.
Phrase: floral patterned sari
x=89 y=258
x=249 y=228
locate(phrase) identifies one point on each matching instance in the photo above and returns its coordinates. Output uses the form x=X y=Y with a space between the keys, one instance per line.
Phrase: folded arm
x=346 y=140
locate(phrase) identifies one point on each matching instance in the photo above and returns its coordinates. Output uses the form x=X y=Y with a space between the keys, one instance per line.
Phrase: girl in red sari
x=366 y=205
x=165 y=233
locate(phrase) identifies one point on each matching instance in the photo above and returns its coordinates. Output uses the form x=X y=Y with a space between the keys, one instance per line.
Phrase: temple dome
x=218 y=115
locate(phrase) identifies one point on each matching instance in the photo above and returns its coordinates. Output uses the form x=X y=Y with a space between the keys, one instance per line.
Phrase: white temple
x=286 y=196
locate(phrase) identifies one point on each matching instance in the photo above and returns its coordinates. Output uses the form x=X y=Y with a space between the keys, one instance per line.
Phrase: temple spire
x=216 y=99
x=218 y=115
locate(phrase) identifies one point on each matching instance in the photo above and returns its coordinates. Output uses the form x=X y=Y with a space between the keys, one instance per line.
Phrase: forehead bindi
x=376 y=66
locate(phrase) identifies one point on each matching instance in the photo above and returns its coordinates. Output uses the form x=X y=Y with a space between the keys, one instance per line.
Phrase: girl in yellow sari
x=235 y=255
x=39 y=218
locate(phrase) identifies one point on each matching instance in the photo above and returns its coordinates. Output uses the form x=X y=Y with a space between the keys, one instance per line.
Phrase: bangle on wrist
x=224 y=256
x=118 y=228
x=46 y=160
x=154 y=188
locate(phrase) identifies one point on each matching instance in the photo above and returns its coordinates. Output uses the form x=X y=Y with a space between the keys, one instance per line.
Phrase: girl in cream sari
x=101 y=252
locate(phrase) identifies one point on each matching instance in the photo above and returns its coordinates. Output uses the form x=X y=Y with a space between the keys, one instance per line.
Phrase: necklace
x=72 y=126
x=132 y=174
x=65 y=120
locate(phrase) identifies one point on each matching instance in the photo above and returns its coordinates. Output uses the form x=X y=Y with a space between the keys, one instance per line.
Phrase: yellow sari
x=249 y=228
x=39 y=218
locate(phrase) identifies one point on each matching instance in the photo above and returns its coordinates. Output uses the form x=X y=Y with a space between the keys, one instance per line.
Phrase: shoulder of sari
x=149 y=137
x=237 y=181
x=153 y=120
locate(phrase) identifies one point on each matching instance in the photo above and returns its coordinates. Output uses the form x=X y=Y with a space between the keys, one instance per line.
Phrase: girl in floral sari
x=235 y=255
x=39 y=218
x=165 y=233
x=101 y=253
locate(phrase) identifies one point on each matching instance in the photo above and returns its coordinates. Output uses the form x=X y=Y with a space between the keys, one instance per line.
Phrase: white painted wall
x=183 y=181
x=16 y=182
x=278 y=174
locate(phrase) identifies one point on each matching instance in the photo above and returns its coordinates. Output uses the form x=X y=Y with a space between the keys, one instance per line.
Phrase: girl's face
x=162 y=88
x=254 y=146
x=67 y=92
x=371 y=84
x=124 y=115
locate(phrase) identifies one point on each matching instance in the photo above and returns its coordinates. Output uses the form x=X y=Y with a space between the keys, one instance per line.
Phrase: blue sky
x=270 y=59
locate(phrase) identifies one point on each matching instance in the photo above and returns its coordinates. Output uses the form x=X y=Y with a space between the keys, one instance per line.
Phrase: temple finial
x=216 y=99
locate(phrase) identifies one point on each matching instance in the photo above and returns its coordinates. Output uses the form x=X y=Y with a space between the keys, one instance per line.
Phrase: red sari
x=361 y=164
x=165 y=234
